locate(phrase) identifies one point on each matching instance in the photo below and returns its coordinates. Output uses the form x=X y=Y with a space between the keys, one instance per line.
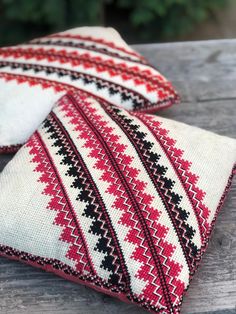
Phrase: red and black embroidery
x=87 y=46
x=122 y=206
x=164 y=185
x=95 y=208
x=122 y=76
x=84 y=80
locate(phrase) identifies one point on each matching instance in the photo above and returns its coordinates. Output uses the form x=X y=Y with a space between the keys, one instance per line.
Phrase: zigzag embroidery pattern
x=61 y=204
x=120 y=75
x=165 y=186
x=86 y=46
x=89 y=193
x=139 y=76
x=189 y=179
x=65 y=218
x=98 y=41
x=82 y=81
x=142 y=212
x=116 y=204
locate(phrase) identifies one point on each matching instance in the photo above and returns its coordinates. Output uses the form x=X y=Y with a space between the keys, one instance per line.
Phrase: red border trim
x=173 y=99
x=209 y=233
x=10 y=148
x=98 y=41
x=67 y=273
x=150 y=109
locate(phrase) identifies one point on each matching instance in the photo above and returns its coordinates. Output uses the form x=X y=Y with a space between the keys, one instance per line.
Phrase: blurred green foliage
x=170 y=18
x=23 y=19
x=147 y=19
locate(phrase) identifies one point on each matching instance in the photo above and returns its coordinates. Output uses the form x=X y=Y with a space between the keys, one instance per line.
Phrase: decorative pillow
x=122 y=202
x=94 y=59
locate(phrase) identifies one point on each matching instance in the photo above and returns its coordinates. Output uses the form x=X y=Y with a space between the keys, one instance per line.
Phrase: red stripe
x=66 y=218
x=108 y=84
x=99 y=41
x=8 y=149
x=101 y=204
x=59 y=87
x=139 y=77
x=168 y=206
x=146 y=215
x=83 y=46
x=194 y=194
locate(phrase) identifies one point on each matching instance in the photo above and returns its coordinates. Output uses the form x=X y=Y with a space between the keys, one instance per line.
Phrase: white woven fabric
x=124 y=202
x=96 y=60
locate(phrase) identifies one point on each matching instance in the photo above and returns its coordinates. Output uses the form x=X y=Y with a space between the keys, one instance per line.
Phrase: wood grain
x=205 y=75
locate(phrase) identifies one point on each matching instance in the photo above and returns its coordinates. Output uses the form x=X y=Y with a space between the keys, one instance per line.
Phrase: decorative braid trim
x=209 y=232
x=66 y=272
x=10 y=149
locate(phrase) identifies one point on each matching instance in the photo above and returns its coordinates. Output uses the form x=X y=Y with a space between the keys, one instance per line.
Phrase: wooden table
x=205 y=75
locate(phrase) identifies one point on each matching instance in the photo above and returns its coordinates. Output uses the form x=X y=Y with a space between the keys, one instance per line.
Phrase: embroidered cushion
x=93 y=59
x=122 y=202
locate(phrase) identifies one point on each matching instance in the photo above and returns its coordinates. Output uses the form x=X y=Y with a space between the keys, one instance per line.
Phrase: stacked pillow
x=96 y=60
x=119 y=200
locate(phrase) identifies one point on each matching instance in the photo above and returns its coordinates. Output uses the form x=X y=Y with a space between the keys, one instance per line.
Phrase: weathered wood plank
x=201 y=70
x=205 y=74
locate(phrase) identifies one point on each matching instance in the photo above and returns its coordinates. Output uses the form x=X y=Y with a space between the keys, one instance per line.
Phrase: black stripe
x=118 y=68
x=135 y=204
x=138 y=101
x=163 y=185
x=108 y=243
x=64 y=193
x=85 y=46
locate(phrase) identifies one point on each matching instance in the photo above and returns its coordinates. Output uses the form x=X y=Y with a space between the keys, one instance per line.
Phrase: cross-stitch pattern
x=92 y=59
x=120 y=201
